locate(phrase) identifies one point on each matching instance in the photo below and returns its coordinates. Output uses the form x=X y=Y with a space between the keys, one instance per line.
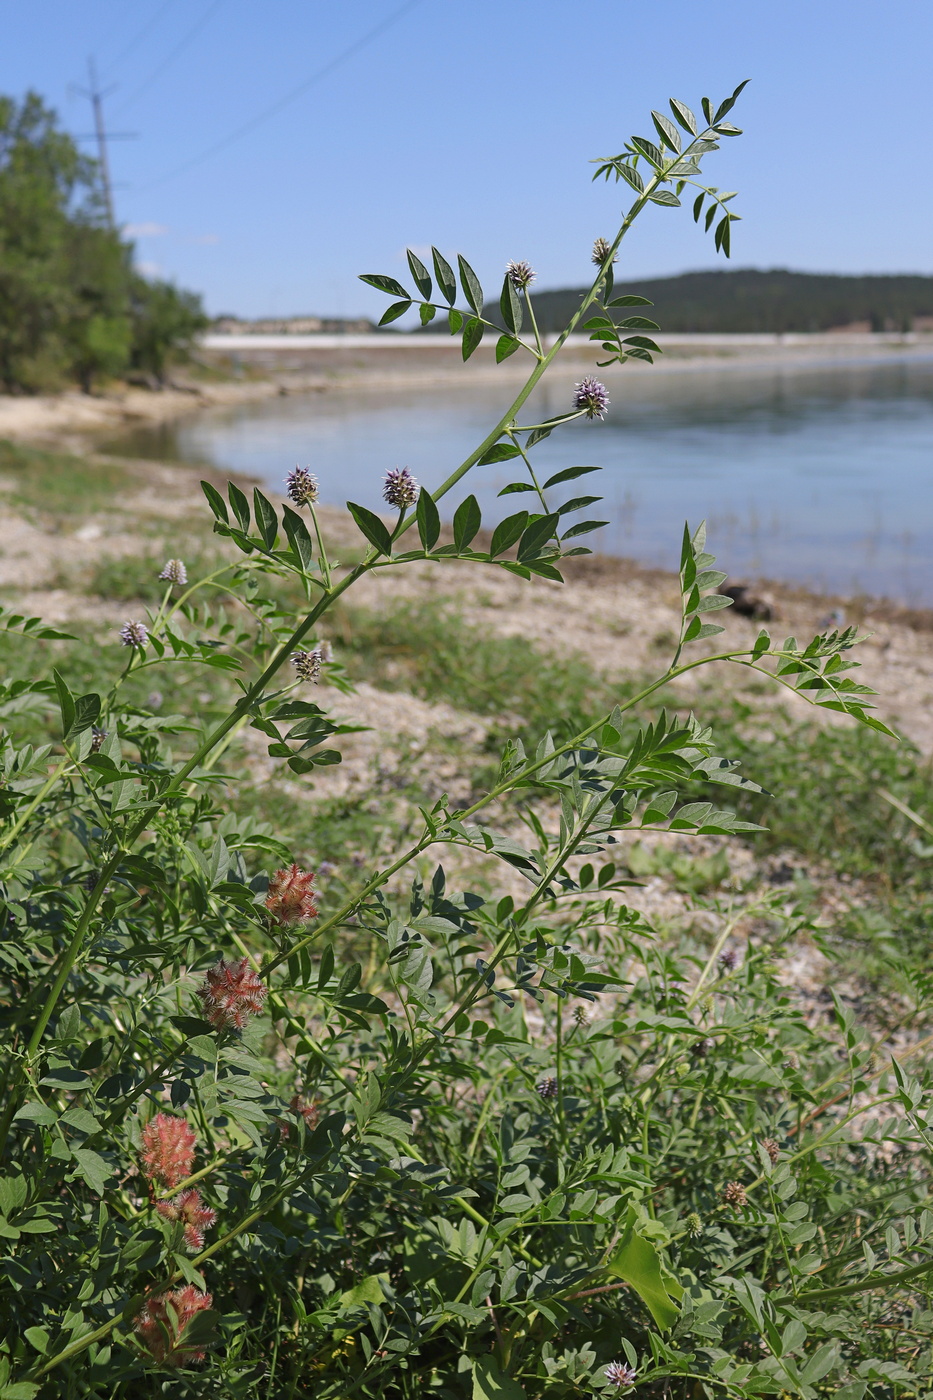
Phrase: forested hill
x=752 y=300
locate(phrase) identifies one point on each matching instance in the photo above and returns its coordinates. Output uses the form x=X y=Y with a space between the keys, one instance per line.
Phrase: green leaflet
x=638 y=1262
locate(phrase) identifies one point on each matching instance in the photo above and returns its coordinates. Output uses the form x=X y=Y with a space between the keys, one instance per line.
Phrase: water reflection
x=815 y=475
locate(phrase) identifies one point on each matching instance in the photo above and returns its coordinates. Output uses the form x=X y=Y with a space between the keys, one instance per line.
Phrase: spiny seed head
x=694 y=1224
x=174 y=572
x=134 y=634
x=308 y=1110
x=617 y=1373
x=728 y=959
x=230 y=994
x=772 y=1149
x=307 y=665
x=161 y=1322
x=168 y=1149
x=188 y=1207
x=521 y=274
x=291 y=896
x=735 y=1196
x=592 y=397
x=98 y=736
x=301 y=487
x=580 y=1016
x=548 y=1087
x=601 y=250
x=400 y=488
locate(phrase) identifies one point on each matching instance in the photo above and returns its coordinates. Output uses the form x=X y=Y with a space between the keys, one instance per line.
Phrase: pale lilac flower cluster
x=601 y=250
x=400 y=488
x=174 y=572
x=617 y=1373
x=134 y=634
x=307 y=665
x=301 y=487
x=521 y=274
x=591 y=397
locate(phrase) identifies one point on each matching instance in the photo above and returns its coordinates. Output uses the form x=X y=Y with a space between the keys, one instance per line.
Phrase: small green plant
x=267 y=1133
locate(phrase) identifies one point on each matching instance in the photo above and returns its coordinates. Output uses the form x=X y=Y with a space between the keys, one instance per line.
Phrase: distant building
x=292 y=325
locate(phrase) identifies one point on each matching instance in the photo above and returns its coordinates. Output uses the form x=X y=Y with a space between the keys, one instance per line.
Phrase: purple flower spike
x=174 y=572
x=400 y=489
x=301 y=487
x=617 y=1373
x=592 y=398
x=134 y=634
x=520 y=274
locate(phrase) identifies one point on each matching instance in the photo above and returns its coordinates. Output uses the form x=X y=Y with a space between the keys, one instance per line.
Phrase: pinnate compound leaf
x=372 y=527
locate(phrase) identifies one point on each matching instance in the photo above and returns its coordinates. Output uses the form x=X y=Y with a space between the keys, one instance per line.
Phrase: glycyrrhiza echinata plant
x=531 y=1150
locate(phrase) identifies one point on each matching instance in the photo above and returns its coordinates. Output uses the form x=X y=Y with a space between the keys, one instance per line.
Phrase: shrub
x=534 y=1149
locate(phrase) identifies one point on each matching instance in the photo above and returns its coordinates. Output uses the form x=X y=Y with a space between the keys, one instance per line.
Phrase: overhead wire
x=170 y=58
x=289 y=97
x=140 y=35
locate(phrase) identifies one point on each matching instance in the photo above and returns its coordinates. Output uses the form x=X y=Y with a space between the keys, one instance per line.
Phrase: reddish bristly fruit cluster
x=168 y=1149
x=309 y=1110
x=188 y=1207
x=230 y=994
x=291 y=896
x=163 y=1320
x=735 y=1195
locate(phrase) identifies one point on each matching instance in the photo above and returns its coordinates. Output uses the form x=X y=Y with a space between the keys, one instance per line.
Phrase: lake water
x=815 y=475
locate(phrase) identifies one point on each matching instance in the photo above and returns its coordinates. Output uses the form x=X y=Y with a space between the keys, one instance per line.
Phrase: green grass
x=59 y=483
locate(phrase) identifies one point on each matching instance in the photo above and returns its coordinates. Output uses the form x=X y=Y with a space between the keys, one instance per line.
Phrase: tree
x=71 y=305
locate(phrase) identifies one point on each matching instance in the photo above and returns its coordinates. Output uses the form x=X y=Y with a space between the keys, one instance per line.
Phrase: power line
x=290 y=97
x=140 y=35
x=166 y=62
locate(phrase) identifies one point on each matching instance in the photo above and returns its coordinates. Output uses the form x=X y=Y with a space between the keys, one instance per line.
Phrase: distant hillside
x=750 y=300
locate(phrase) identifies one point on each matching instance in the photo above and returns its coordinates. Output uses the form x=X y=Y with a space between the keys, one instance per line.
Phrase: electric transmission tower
x=101 y=135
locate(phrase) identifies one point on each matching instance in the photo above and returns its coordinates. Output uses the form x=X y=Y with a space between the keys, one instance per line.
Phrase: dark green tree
x=71 y=305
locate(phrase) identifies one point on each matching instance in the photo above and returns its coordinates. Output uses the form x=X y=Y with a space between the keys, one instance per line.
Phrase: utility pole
x=102 y=136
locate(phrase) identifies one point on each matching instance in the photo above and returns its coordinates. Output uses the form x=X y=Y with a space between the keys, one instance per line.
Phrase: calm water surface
x=822 y=476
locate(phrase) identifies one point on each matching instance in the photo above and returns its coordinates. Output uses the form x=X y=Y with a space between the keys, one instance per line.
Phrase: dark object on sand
x=750 y=604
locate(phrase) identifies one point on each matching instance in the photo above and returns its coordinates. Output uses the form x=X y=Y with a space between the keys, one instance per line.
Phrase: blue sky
x=471 y=125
